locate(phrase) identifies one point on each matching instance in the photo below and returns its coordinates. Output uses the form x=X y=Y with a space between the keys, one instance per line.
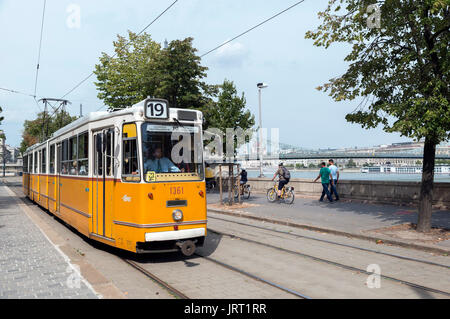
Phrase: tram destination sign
x=156 y=109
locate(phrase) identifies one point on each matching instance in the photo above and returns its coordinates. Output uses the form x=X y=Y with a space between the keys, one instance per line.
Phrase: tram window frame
x=38 y=162
x=35 y=154
x=43 y=160
x=73 y=155
x=126 y=176
x=25 y=164
x=110 y=139
x=83 y=149
x=64 y=166
x=52 y=159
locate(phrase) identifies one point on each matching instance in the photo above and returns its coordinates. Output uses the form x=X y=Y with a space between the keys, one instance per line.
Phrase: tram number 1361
x=156 y=109
x=176 y=190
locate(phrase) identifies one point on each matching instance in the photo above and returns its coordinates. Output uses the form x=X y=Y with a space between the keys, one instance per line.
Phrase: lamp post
x=260 y=86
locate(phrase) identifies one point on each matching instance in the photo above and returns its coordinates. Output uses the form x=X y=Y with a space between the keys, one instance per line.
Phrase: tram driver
x=159 y=163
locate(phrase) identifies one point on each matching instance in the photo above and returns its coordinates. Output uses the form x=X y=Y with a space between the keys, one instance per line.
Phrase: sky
x=276 y=53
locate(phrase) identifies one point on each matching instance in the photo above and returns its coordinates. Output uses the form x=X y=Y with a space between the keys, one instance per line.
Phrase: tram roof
x=98 y=116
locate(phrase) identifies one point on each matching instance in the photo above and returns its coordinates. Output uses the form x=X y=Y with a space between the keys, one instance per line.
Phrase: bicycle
x=287 y=194
x=244 y=189
x=210 y=186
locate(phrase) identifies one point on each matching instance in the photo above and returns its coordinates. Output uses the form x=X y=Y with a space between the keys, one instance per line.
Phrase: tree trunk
x=426 y=189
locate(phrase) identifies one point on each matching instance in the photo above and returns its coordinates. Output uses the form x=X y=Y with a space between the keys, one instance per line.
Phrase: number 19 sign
x=157 y=109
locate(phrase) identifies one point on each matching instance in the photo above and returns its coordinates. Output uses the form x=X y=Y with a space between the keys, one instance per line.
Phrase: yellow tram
x=131 y=178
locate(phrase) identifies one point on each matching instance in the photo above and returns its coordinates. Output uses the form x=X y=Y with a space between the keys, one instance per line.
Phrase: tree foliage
x=229 y=112
x=33 y=130
x=141 y=68
x=400 y=68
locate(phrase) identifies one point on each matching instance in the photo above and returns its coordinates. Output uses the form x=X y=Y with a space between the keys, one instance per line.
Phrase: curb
x=386 y=240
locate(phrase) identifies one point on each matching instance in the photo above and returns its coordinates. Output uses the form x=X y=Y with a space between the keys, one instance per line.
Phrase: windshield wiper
x=178 y=122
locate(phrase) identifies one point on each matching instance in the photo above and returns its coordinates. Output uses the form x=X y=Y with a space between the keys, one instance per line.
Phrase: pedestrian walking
x=335 y=178
x=325 y=176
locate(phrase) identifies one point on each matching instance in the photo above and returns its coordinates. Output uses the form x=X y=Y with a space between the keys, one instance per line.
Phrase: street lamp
x=260 y=86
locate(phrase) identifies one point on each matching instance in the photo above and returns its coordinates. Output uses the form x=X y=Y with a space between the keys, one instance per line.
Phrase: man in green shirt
x=326 y=178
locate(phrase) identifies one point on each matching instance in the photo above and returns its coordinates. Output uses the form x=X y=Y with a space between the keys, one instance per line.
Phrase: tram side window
x=52 y=159
x=65 y=158
x=35 y=162
x=83 y=143
x=130 y=165
x=43 y=161
x=73 y=156
x=25 y=164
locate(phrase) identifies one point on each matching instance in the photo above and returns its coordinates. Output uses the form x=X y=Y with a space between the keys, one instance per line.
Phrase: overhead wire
x=40 y=47
x=252 y=28
x=128 y=43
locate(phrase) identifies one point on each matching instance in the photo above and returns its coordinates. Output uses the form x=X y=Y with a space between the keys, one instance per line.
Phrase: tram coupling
x=187 y=247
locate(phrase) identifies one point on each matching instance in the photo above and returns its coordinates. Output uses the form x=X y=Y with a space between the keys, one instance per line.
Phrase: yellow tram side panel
x=34 y=185
x=43 y=191
x=96 y=205
x=26 y=184
x=74 y=202
x=133 y=205
x=52 y=193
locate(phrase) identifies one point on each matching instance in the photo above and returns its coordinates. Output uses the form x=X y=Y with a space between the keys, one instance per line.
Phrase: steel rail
x=330 y=262
x=336 y=243
x=178 y=294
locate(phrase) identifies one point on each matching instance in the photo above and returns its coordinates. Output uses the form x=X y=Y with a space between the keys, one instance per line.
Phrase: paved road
x=344 y=216
x=200 y=278
x=30 y=265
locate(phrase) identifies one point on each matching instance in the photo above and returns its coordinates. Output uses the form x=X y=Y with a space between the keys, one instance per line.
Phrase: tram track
x=243 y=272
x=180 y=295
x=172 y=290
x=333 y=263
x=333 y=243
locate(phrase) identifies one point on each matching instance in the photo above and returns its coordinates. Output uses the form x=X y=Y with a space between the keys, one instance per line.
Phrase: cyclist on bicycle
x=243 y=177
x=284 y=177
x=209 y=176
x=243 y=180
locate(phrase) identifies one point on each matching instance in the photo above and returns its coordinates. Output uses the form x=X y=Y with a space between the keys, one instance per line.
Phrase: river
x=355 y=175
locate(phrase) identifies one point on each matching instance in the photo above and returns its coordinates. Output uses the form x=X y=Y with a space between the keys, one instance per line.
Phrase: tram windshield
x=172 y=152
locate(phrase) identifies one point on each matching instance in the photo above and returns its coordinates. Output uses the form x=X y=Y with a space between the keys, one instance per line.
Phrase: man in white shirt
x=335 y=175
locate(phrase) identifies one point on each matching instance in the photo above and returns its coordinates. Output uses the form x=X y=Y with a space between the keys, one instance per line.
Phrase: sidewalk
x=367 y=221
x=31 y=266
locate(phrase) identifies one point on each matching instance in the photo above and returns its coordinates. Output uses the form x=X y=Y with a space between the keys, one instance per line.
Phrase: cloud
x=232 y=54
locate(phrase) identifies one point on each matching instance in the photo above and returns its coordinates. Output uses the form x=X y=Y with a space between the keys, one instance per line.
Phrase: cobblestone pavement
x=30 y=266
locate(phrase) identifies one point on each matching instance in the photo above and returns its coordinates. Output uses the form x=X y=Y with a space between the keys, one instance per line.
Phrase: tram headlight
x=177 y=215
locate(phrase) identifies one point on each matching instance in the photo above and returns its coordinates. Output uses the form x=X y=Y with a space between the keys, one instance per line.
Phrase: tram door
x=58 y=178
x=102 y=182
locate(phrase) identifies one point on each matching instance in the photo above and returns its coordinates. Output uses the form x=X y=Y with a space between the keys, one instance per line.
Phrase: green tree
x=229 y=112
x=180 y=76
x=32 y=130
x=401 y=69
x=299 y=165
x=351 y=163
x=141 y=69
x=129 y=77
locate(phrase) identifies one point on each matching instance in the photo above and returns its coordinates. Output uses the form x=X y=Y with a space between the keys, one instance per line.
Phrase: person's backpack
x=286 y=173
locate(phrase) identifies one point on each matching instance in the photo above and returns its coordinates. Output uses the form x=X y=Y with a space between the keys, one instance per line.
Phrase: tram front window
x=171 y=152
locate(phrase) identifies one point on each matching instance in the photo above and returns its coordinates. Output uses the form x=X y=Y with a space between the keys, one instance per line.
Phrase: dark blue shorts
x=282 y=183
